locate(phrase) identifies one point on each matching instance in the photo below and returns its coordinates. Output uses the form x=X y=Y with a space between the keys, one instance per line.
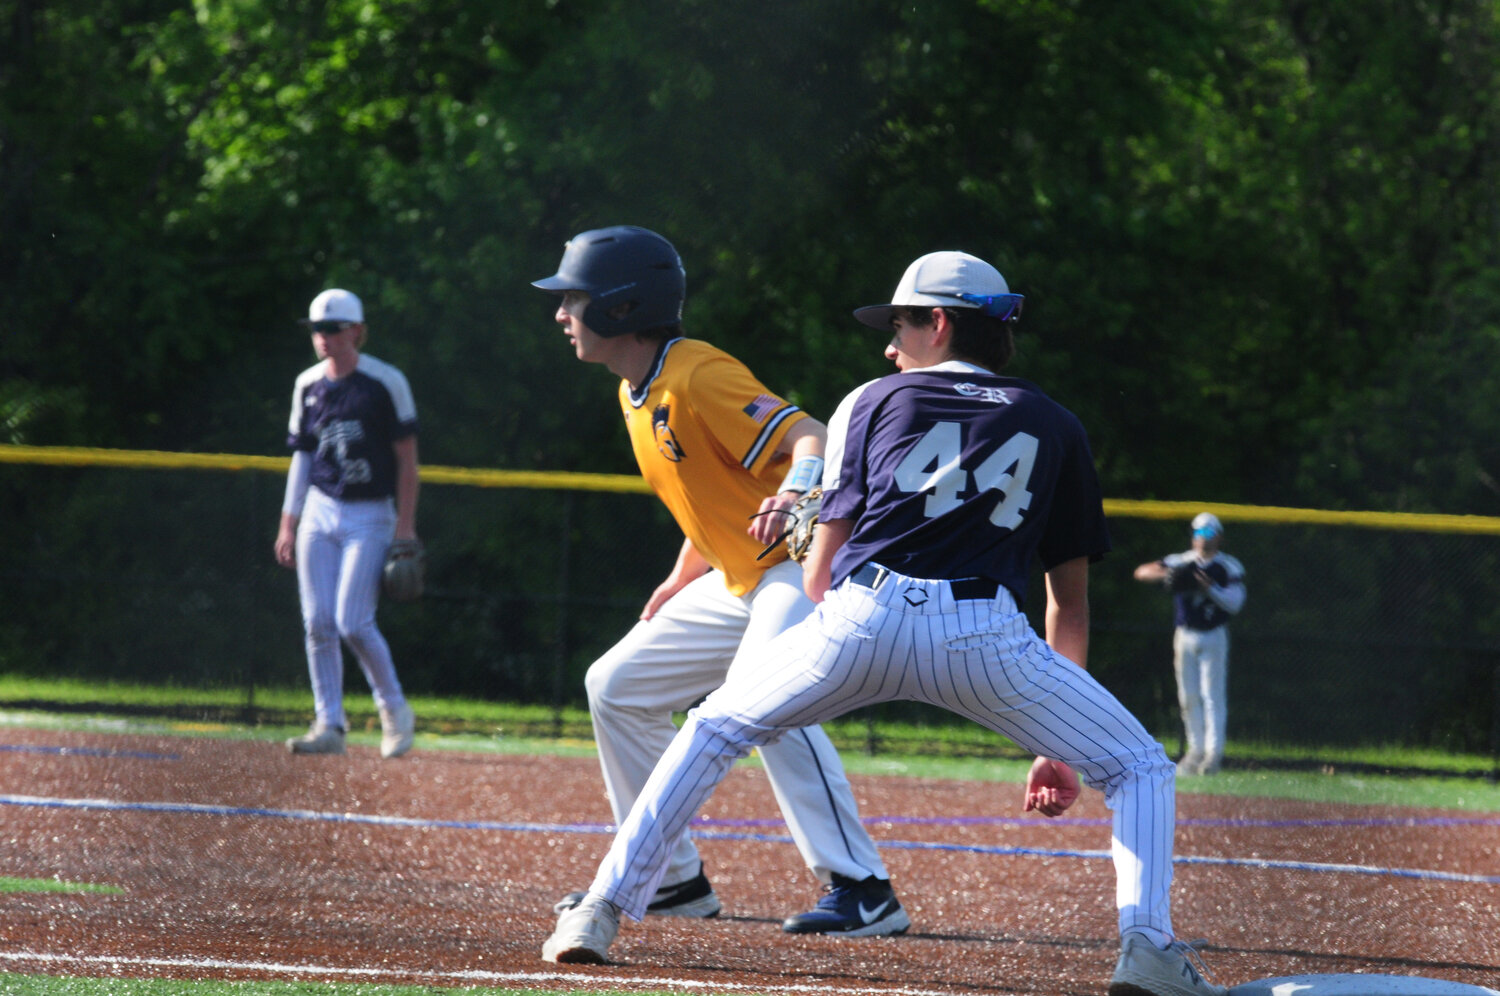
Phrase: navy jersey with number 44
x=954 y=472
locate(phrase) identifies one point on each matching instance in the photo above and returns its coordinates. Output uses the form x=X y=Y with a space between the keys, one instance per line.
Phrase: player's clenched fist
x=1051 y=787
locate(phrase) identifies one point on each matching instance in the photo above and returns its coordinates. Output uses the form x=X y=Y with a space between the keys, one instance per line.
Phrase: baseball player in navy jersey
x=716 y=446
x=1208 y=586
x=942 y=483
x=351 y=490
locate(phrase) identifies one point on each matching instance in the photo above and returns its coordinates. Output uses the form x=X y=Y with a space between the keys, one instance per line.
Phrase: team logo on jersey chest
x=666 y=439
x=994 y=395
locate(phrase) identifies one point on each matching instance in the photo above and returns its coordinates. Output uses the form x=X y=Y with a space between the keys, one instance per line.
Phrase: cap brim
x=553 y=283
x=877 y=316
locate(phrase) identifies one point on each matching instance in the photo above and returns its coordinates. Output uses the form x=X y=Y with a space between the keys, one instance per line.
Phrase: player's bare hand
x=662 y=594
x=656 y=601
x=286 y=549
x=1051 y=787
x=771 y=519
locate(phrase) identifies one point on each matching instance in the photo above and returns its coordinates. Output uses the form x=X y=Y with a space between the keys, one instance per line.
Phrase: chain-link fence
x=1351 y=635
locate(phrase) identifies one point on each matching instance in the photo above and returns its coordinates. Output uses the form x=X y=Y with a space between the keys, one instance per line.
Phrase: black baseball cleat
x=694 y=898
x=854 y=909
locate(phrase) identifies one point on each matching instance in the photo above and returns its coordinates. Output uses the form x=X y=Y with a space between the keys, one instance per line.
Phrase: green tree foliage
x=1253 y=237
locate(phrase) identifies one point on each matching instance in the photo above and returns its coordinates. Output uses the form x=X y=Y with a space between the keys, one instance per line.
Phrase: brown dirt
x=281 y=884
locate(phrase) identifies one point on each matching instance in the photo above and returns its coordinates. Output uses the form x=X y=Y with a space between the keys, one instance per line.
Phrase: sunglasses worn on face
x=1006 y=307
x=329 y=327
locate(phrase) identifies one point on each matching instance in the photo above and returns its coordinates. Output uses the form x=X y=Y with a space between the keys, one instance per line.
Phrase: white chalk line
x=593 y=977
x=1316 y=867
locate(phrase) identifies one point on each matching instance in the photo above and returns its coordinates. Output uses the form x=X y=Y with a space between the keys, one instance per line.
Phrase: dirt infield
x=237 y=860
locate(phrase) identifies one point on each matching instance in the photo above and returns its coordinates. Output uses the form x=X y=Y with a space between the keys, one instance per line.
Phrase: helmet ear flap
x=607 y=315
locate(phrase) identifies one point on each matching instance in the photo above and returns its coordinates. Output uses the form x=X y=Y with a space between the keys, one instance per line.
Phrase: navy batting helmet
x=623 y=265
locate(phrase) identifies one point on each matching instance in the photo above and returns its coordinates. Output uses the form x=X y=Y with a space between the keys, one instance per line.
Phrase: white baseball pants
x=1200 y=659
x=699 y=638
x=341 y=548
x=909 y=639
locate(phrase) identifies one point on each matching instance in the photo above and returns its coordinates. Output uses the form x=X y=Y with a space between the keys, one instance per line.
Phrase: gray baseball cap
x=946 y=279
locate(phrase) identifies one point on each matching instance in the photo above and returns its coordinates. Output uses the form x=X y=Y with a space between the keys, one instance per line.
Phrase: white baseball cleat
x=1189 y=764
x=1147 y=970
x=584 y=934
x=397 y=727
x=318 y=740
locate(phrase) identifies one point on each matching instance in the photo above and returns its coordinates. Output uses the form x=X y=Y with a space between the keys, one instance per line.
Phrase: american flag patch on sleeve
x=763 y=406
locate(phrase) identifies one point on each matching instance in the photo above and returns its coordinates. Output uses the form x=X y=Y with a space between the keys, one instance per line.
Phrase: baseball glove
x=798 y=535
x=405 y=571
x=1182 y=577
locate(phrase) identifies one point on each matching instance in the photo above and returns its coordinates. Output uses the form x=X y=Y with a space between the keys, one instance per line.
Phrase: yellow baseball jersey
x=705 y=432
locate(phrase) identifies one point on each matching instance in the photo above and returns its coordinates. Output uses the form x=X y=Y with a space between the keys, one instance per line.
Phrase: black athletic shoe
x=854 y=909
x=695 y=898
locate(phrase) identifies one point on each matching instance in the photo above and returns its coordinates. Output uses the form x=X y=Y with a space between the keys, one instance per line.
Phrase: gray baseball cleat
x=318 y=740
x=1147 y=970
x=397 y=727
x=584 y=934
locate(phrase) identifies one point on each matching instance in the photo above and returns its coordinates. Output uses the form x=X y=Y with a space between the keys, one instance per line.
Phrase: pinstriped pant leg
x=319 y=556
x=367 y=533
x=804 y=679
x=803 y=767
x=1019 y=687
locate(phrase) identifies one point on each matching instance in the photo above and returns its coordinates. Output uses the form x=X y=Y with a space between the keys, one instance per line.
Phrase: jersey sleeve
x=297 y=435
x=744 y=418
x=1076 y=526
x=403 y=407
x=1229 y=593
x=844 y=486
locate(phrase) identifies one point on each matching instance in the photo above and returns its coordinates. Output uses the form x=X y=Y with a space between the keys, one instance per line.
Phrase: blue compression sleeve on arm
x=805 y=473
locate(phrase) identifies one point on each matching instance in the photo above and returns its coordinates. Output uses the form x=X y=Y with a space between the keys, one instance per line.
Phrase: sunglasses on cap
x=1006 y=307
x=329 y=327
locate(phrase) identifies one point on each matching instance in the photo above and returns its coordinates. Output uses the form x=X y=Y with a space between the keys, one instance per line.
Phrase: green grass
x=110 y=698
x=54 y=885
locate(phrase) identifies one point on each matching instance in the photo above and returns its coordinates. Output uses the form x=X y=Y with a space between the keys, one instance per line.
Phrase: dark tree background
x=1258 y=238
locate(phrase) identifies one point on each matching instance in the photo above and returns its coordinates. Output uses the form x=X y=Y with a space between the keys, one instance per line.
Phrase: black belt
x=963 y=589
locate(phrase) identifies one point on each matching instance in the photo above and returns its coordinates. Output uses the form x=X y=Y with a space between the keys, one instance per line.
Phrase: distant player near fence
x=1208 y=587
x=351 y=491
x=943 y=482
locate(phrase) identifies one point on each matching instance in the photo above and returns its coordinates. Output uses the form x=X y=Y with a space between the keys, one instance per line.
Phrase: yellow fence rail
x=82 y=456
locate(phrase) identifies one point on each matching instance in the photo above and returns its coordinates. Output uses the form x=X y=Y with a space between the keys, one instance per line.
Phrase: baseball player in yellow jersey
x=716 y=447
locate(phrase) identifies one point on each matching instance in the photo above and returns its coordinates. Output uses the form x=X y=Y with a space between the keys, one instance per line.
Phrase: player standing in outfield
x=1207 y=587
x=716 y=446
x=943 y=482
x=352 y=489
